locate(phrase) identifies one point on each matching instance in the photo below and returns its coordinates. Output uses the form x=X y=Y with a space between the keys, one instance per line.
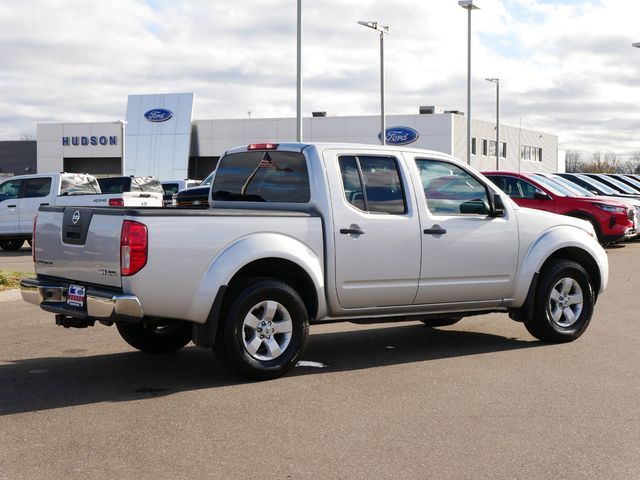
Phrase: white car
x=22 y=196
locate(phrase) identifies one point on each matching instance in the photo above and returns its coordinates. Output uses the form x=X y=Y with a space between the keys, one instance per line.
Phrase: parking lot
x=480 y=399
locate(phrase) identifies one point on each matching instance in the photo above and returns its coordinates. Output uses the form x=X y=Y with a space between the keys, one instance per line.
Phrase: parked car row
x=610 y=202
x=21 y=197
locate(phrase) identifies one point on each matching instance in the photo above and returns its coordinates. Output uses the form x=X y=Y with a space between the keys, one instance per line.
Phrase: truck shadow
x=37 y=384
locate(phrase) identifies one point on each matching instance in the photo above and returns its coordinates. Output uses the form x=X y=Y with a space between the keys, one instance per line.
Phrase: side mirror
x=538 y=195
x=496 y=208
x=478 y=207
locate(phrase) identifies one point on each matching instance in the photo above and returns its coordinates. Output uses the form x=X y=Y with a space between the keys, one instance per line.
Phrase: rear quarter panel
x=191 y=257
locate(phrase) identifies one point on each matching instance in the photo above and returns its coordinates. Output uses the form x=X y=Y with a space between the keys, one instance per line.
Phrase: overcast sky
x=566 y=66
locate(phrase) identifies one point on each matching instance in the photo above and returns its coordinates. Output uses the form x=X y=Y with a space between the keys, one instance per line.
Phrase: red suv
x=612 y=220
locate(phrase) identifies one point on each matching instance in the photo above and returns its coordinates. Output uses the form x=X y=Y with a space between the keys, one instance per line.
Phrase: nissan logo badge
x=76 y=217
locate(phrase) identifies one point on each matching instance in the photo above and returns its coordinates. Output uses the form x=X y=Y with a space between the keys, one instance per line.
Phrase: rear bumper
x=104 y=305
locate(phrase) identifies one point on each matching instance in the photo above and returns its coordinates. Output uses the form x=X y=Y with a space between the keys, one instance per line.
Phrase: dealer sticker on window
x=75 y=296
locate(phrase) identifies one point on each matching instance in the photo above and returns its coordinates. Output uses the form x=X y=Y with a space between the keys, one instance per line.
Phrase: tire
x=263 y=330
x=441 y=321
x=11 y=245
x=563 y=304
x=156 y=338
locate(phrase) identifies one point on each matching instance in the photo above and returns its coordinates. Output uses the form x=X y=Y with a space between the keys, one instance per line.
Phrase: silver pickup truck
x=303 y=233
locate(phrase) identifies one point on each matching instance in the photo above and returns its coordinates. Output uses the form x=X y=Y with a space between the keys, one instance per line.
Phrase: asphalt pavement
x=478 y=400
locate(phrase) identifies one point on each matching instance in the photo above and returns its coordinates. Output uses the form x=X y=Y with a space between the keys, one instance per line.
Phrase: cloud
x=566 y=66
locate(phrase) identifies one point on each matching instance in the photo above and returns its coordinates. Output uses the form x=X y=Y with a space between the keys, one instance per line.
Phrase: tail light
x=133 y=247
x=116 y=202
x=263 y=146
x=33 y=239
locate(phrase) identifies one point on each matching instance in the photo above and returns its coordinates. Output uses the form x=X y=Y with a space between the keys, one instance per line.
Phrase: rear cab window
x=114 y=185
x=262 y=176
x=78 y=185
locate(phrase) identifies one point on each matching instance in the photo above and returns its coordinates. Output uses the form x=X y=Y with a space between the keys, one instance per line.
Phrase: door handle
x=12 y=206
x=436 y=230
x=44 y=204
x=351 y=231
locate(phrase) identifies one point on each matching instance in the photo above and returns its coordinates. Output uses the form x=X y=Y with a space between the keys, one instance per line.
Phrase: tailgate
x=142 y=199
x=79 y=244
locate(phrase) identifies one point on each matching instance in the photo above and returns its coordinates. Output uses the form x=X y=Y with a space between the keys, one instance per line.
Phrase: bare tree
x=573 y=161
x=599 y=163
x=27 y=136
x=635 y=163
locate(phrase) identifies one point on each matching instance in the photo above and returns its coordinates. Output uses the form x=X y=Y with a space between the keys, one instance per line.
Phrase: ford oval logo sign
x=158 y=115
x=400 y=135
x=76 y=217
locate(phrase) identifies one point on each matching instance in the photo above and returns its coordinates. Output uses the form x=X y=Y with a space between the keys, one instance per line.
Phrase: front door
x=376 y=232
x=9 y=211
x=467 y=255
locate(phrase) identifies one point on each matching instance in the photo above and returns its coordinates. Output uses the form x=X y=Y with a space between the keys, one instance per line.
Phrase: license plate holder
x=76 y=296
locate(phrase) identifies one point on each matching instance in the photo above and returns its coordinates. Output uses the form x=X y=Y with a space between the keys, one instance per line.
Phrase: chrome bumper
x=51 y=296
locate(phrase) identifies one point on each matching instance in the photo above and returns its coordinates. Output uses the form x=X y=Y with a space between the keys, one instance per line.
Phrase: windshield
x=631 y=180
x=553 y=187
x=606 y=189
x=621 y=185
x=569 y=185
x=208 y=180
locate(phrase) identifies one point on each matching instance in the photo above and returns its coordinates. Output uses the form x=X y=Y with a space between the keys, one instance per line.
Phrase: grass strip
x=10 y=280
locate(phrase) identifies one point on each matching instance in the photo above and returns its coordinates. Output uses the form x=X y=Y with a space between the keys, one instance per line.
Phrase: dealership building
x=159 y=137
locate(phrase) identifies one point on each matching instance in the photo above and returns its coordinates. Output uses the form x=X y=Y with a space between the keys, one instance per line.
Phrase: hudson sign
x=400 y=135
x=93 y=140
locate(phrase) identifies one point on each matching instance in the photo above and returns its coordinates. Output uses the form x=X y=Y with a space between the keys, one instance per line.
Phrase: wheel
x=156 y=338
x=263 y=330
x=563 y=303
x=11 y=245
x=440 y=321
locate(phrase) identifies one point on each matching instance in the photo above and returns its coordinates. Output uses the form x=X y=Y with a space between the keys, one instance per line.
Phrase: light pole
x=497 y=82
x=468 y=5
x=299 y=77
x=382 y=29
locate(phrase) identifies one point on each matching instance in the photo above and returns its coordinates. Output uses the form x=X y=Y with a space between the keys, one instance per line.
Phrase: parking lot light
x=468 y=5
x=382 y=29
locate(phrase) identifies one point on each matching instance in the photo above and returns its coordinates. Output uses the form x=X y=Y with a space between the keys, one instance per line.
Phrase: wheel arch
x=266 y=255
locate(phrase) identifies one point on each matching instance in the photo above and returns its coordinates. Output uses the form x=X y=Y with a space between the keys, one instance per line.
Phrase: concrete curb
x=10 y=295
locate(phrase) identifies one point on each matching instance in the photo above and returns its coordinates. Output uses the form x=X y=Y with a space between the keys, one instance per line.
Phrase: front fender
x=249 y=249
x=551 y=241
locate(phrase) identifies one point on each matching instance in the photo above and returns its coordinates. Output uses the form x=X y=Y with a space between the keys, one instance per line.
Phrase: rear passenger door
x=9 y=211
x=35 y=193
x=376 y=232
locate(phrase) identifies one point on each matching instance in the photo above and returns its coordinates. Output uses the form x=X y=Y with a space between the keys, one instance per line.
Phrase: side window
x=37 y=187
x=10 y=190
x=528 y=190
x=450 y=190
x=373 y=184
x=512 y=186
